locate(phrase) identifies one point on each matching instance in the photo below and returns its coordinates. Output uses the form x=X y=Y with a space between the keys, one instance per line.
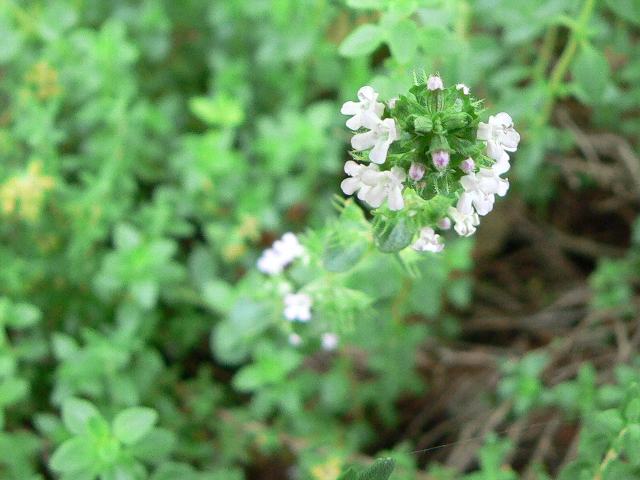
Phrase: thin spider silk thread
x=479 y=437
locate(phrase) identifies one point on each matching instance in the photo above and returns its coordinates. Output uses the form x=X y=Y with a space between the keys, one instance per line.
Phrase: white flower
x=358 y=172
x=288 y=248
x=480 y=190
x=382 y=134
x=297 y=306
x=428 y=241
x=270 y=263
x=434 y=82
x=329 y=341
x=461 y=86
x=295 y=340
x=444 y=223
x=500 y=136
x=465 y=223
x=386 y=185
x=284 y=251
x=366 y=111
x=374 y=186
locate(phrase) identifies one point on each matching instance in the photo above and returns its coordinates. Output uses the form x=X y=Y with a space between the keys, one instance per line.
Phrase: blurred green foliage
x=149 y=150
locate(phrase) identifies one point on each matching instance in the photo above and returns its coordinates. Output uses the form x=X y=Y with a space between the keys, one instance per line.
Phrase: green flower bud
x=456 y=120
x=422 y=124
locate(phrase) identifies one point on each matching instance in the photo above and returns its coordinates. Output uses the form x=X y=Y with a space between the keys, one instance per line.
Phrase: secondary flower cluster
x=297 y=307
x=428 y=143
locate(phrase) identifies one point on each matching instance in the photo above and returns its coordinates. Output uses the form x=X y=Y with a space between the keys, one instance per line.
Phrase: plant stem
x=546 y=51
x=560 y=70
x=610 y=456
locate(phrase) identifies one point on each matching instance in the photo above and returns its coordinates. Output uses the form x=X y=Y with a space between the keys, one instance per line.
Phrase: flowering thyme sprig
x=424 y=160
x=297 y=307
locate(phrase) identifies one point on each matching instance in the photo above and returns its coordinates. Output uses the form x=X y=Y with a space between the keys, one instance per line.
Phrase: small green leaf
x=362 y=41
x=632 y=411
x=392 y=234
x=380 y=470
x=12 y=389
x=348 y=474
x=132 y=424
x=591 y=73
x=403 y=40
x=341 y=254
x=627 y=9
x=155 y=446
x=24 y=315
x=367 y=4
x=221 y=110
x=76 y=415
x=73 y=455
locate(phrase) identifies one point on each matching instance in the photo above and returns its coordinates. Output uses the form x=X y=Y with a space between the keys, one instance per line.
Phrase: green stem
x=560 y=70
x=546 y=51
x=610 y=456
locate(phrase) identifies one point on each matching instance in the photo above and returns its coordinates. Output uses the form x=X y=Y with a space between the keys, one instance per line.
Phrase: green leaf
x=272 y=367
x=76 y=415
x=591 y=73
x=362 y=41
x=132 y=424
x=403 y=40
x=24 y=315
x=367 y=4
x=632 y=411
x=12 y=389
x=627 y=9
x=380 y=470
x=73 y=455
x=348 y=474
x=218 y=111
x=155 y=446
x=392 y=234
x=347 y=240
x=342 y=253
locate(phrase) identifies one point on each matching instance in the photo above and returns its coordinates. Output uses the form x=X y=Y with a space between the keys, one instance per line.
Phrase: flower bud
x=434 y=82
x=461 y=86
x=392 y=103
x=423 y=124
x=295 y=340
x=440 y=159
x=329 y=341
x=444 y=223
x=416 y=171
x=467 y=165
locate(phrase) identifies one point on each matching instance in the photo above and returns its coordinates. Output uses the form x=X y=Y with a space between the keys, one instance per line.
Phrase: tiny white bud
x=434 y=82
x=329 y=341
x=416 y=171
x=440 y=159
x=463 y=87
x=467 y=165
x=444 y=223
x=295 y=340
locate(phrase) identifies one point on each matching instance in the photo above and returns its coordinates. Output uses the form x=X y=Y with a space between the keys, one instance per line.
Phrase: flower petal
x=350 y=108
x=395 y=199
x=350 y=185
x=363 y=141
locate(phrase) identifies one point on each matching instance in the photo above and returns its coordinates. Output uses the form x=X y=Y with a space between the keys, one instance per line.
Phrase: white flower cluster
x=297 y=306
x=372 y=185
x=481 y=188
x=284 y=251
